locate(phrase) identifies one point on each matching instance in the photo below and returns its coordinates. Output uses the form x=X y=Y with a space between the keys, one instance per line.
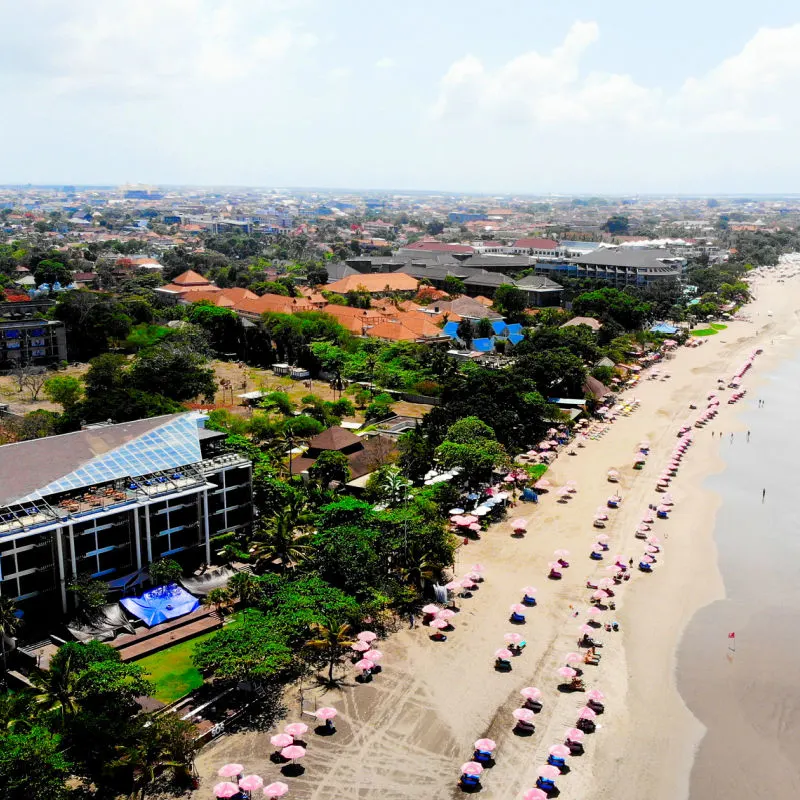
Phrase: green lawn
x=704 y=332
x=718 y=326
x=171 y=670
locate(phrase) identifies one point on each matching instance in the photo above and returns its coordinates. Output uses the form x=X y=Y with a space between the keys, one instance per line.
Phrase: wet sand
x=404 y=736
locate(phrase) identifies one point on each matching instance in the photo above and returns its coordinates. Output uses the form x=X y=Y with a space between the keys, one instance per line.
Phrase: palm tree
x=17 y=710
x=395 y=486
x=419 y=566
x=332 y=640
x=10 y=623
x=219 y=598
x=56 y=688
x=245 y=586
x=284 y=538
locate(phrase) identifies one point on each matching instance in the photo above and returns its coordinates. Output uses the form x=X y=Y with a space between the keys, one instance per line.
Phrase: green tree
x=331 y=639
x=331 y=465
x=465 y=332
x=484 y=329
x=49 y=271
x=380 y=407
x=10 y=623
x=33 y=766
x=284 y=537
x=165 y=571
x=617 y=224
x=253 y=651
x=90 y=594
x=66 y=390
x=173 y=369
x=454 y=285
x=510 y=301
x=245 y=586
x=471 y=445
x=347 y=557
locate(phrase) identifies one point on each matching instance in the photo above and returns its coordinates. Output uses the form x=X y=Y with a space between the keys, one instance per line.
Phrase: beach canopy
x=522 y=714
x=360 y=647
x=364 y=664
x=528 y=591
x=226 y=789
x=559 y=751
x=512 y=638
x=281 y=740
x=531 y=693
x=367 y=636
x=534 y=794
x=430 y=609
x=503 y=654
x=373 y=655
x=445 y=613
x=593 y=611
x=439 y=624
x=549 y=772
x=485 y=745
x=566 y=672
x=471 y=768
x=326 y=712
x=277 y=789
x=573 y=658
x=231 y=770
x=518 y=608
x=296 y=729
x=596 y=695
x=575 y=735
x=519 y=524
x=293 y=752
x=250 y=783
x=586 y=713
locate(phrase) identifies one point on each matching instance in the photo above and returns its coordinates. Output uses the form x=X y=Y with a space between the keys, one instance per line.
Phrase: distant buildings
x=25 y=338
x=619 y=267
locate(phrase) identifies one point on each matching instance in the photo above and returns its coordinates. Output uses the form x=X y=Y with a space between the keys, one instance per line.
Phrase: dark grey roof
x=478 y=277
x=338 y=270
x=28 y=466
x=650 y=259
x=538 y=283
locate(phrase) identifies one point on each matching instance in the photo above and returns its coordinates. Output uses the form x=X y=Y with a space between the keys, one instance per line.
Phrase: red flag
x=731 y=635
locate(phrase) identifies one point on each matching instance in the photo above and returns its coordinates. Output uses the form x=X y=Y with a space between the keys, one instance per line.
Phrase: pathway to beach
x=405 y=735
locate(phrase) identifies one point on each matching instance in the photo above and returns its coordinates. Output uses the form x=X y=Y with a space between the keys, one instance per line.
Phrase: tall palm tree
x=245 y=586
x=56 y=688
x=10 y=623
x=17 y=710
x=419 y=566
x=284 y=537
x=331 y=639
x=395 y=486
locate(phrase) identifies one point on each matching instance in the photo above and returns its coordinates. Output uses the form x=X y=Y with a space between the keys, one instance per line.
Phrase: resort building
x=108 y=500
x=619 y=267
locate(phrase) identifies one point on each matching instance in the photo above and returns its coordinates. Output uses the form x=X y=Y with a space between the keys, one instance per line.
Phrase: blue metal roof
x=499 y=327
x=515 y=328
x=451 y=329
x=515 y=338
x=483 y=345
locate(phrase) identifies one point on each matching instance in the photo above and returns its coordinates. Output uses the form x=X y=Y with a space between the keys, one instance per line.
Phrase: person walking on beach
x=410 y=620
x=731 y=438
x=763 y=494
x=748 y=436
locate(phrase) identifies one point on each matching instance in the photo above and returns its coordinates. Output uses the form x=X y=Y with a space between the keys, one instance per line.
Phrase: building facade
x=32 y=342
x=109 y=500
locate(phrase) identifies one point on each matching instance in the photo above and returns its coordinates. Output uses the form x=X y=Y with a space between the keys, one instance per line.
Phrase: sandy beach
x=405 y=735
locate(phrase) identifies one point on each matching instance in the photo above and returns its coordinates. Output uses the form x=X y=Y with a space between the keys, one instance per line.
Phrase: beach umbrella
x=456 y=511
x=478 y=568
x=522 y=714
x=664 y=509
x=653 y=549
x=293 y=752
x=474 y=576
x=528 y=591
x=586 y=713
x=575 y=735
x=562 y=491
x=542 y=483
x=647 y=518
x=534 y=794
x=326 y=712
x=373 y=655
x=482 y=511
x=474 y=526
x=566 y=672
x=231 y=770
x=504 y=495
x=549 y=772
x=250 y=783
x=360 y=647
x=430 y=609
x=471 y=768
x=600 y=594
x=648 y=559
x=364 y=664
x=561 y=553
x=602 y=537
x=605 y=583
x=281 y=740
x=518 y=608
x=519 y=524
x=596 y=695
x=503 y=654
x=277 y=789
x=614 y=568
x=439 y=624
x=469 y=519
x=446 y=614
x=367 y=636
x=453 y=586
x=601 y=511
x=512 y=638
x=468 y=583
x=642 y=528
x=554 y=566
x=531 y=693
x=587 y=629
x=560 y=751
x=593 y=612
x=573 y=658
x=226 y=789
x=486 y=745
x=296 y=729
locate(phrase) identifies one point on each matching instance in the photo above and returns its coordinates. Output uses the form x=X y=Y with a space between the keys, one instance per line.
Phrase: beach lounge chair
x=518 y=618
x=528 y=601
x=645 y=567
x=481 y=756
x=593 y=659
x=502 y=665
x=555 y=761
x=577 y=685
x=662 y=514
x=599 y=523
x=470 y=780
x=595 y=556
x=554 y=574
x=545 y=784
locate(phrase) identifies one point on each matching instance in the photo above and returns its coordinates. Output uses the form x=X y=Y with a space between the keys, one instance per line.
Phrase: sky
x=517 y=96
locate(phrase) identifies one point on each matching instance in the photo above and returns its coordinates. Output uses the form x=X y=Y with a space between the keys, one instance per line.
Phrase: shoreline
x=422 y=713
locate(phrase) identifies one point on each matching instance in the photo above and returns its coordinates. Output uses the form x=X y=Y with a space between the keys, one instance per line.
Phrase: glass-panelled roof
x=169 y=446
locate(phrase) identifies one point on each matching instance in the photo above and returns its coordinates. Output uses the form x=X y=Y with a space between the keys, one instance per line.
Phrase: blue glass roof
x=172 y=445
x=515 y=328
x=515 y=338
x=483 y=345
x=498 y=326
x=451 y=329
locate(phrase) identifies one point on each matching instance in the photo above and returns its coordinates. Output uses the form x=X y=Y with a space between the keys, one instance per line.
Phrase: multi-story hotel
x=109 y=500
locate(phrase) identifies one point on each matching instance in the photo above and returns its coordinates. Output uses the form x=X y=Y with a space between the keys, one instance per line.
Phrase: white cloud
x=385 y=63
x=751 y=91
x=339 y=74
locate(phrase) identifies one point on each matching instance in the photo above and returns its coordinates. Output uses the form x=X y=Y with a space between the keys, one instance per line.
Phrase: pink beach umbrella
x=664 y=509
x=512 y=638
x=474 y=526
x=479 y=568
x=231 y=770
x=593 y=612
x=573 y=658
x=602 y=537
x=542 y=483
x=566 y=672
x=471 y=768
x=486 y=745
x=360 y=647
x=277 y=789
x=586 y=713
x=446 y=614
x=519 y=524
x=587 y=629
x=429 y=609
x=453 y=586
x=518 y=608
x=560 y=751
x=600 y=594
x=614 y=568
x=601 y=512
x=367 y=636
x=534 y=794
x=281 y=740
x=522 y=714
x=226 y=789
x=605 y=583
x=549 y=772
x=439 y=624
x=528 y=591
x=647 y=518
x=467 y=583
x=296 y=729
x=575 y=735
x=595 y=695
x=293 y=752
x=250 y=783
x=326 y=712
x=503 y=653
x=364 y=664
x=562 y=491
x=474 y=576
x=531 y=693
x=373 y=655
x=561 y=553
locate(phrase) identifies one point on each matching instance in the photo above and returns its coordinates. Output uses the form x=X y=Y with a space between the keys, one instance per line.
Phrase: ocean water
x=746 y=690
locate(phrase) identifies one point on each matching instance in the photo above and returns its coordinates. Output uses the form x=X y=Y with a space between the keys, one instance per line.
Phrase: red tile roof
x=440 y=247
x=536 y=244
